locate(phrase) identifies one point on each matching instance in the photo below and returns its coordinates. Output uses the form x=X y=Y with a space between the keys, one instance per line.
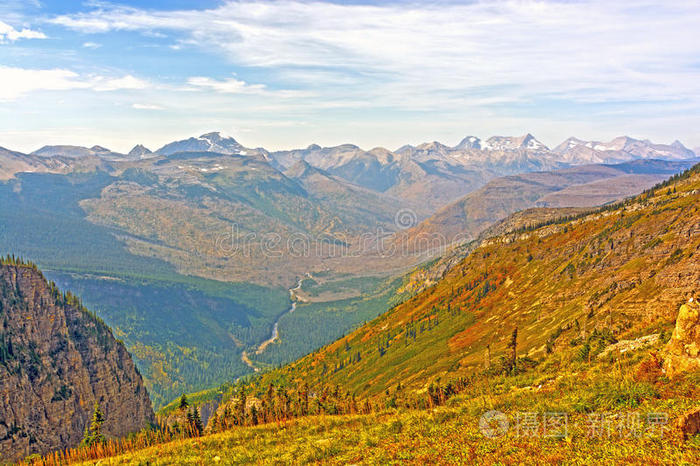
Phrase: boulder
x=682 y=352
x=689 y=423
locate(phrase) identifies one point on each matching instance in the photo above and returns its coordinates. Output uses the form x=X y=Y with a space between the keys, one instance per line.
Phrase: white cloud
x=236 y=86
x=91 y=45
x=228 y=86
x=146 y=107
x=17 y=82
x=586 y=51
x=101 y=83
x=9 y=33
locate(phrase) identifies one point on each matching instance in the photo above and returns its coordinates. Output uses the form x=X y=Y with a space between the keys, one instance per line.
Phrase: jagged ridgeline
x=581 y=281
x=57 y=360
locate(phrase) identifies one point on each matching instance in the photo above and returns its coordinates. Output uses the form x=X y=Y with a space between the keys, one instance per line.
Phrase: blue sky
x=284 y=74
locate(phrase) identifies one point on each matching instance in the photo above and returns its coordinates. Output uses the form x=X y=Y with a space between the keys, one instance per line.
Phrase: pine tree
x=195 y=421
x=254 y=415
x=93 y=432
x=184 y=404
x=304 y=399
x=512 y=346
x=240 y=408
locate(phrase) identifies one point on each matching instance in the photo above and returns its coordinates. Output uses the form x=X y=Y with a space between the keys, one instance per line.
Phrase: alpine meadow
x=230 y=235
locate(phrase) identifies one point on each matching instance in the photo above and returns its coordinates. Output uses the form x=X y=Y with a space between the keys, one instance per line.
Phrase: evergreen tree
x=240 y=408
x=304 y=399
x=195 y=422
x=184 y=404
x=93 y=432
x=512 y=346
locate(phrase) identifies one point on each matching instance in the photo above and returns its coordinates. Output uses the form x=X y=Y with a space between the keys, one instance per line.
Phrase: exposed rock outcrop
x=689 y=423
x=56 y=361
x=683 y=350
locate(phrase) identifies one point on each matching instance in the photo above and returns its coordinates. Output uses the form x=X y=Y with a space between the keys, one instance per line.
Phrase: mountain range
x=199 y=241
x=427 y=176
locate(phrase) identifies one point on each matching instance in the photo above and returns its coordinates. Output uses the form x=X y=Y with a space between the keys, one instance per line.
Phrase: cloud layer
x=289 y=73
x=17 y=82
x=10 y=34
x=588 y=51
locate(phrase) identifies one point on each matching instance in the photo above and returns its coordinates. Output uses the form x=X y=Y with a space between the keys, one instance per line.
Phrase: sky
x=286 y=74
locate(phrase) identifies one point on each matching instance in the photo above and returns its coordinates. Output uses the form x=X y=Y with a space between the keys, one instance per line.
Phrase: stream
x=275 y=328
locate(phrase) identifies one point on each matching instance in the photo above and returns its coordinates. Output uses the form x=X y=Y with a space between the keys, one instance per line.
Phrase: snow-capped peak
x=503 y=143
x=470 y=142
x=209 y=142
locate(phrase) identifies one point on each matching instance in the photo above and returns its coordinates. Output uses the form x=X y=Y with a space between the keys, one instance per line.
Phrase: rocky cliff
x=56 y=361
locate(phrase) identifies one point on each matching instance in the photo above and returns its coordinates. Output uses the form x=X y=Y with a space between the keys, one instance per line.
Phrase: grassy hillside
x=619 y=272
x=450 y=431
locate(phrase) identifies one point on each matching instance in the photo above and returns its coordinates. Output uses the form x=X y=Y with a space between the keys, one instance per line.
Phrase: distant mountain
x=210 y=142
x=620 y=149
x=497 y=156
x=470 y=142
x=76 y=152
x=12 y=163
x=56 y=361
x=139 y=152
x=581 y=186
x=424 y=183
x=375 y=169
x=526 y=142
x=424 y=177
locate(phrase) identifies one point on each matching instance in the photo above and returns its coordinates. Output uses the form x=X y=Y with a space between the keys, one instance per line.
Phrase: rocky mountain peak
x=678 y=145
x=208 y=142
x=469 y=142
x=139 y=150
x=510 y=143
x=216 y=137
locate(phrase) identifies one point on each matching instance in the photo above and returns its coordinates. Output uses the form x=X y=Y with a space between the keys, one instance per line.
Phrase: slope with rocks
x=56 y=361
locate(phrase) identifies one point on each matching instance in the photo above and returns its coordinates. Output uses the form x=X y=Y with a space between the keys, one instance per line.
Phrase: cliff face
x=56 y=361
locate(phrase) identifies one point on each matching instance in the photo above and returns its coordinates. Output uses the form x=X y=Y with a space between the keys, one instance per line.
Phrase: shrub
x=649 y=370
